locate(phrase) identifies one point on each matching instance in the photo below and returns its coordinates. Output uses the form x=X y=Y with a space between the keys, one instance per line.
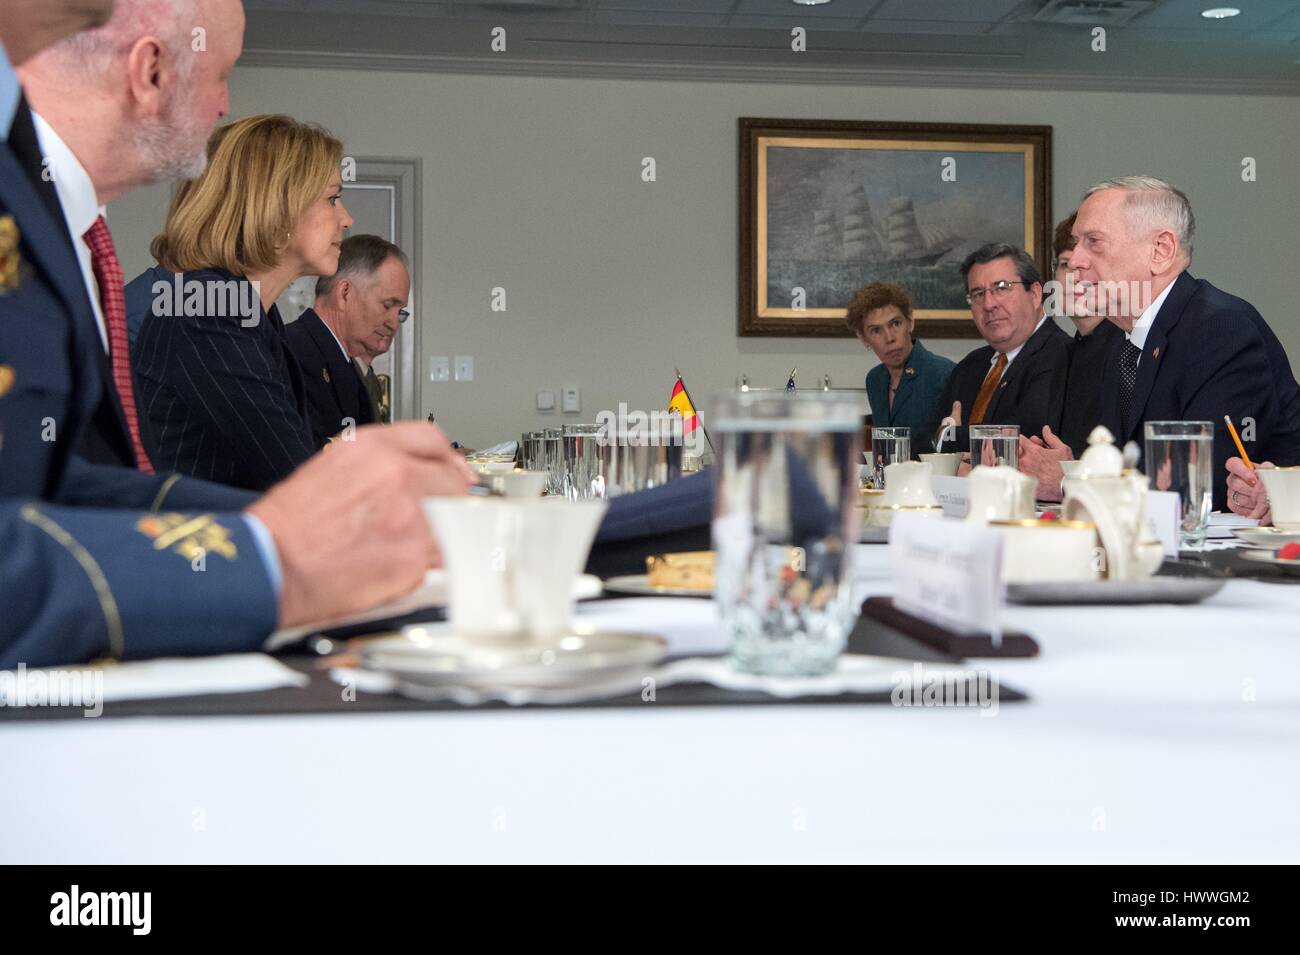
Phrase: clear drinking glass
x=552 y=459
x=889 y=446
x=783 y=523
x=993 y=444
x=636 y=457
x=532 y=455
x=582 y=480
x=1180 y=457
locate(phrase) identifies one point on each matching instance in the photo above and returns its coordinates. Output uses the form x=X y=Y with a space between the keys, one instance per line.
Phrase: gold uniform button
x=7 y=378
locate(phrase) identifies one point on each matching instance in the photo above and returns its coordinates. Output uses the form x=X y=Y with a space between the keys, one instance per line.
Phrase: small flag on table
x=789 y=385
x=680 y=402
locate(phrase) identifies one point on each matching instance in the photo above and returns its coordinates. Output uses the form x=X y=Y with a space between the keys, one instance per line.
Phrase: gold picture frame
x=829 y=205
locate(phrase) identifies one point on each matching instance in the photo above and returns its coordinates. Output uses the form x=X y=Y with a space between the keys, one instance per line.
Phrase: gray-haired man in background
x=357 y=312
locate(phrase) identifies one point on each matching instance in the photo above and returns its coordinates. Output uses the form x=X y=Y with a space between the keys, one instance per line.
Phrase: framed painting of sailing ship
x=827 y=206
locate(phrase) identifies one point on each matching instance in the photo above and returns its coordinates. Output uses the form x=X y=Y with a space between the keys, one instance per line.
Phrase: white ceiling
x=1169 y=45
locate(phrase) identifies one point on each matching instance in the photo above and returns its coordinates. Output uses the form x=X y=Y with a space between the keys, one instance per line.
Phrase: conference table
x=1154 y=733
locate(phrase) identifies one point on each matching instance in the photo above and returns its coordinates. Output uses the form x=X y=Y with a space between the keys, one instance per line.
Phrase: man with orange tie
x=1010 y=379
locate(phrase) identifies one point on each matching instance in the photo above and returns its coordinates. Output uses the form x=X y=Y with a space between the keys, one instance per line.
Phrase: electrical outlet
x=439 y=368
x=464 y=368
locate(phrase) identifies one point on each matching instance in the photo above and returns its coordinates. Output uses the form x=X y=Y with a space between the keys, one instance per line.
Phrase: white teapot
x=1115 y=499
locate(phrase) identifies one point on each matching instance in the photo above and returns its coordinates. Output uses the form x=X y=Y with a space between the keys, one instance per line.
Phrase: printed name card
x=953 y=493
x=1163 y=519
x=948 y=572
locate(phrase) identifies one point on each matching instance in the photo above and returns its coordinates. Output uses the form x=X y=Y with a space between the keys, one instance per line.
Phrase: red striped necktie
x=112 y=299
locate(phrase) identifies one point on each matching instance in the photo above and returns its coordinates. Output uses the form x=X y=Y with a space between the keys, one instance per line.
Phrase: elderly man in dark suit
x=1189 y=351
x=1010 y=380
x=358 y=310
x=90 y=567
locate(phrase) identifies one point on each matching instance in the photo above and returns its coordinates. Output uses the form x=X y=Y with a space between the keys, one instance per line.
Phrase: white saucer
x=1170 y=590
x=433 y=655
x=1265 y=536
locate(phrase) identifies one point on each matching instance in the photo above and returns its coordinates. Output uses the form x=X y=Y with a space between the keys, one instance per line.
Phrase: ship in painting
x=900 y=241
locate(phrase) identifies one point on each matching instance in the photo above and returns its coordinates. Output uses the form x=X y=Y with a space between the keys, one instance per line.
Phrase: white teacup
x=1000 y=493
x=1283 y=487
x=908 y=483
x=511 y=564
x=1039 y=551
x=942 y=463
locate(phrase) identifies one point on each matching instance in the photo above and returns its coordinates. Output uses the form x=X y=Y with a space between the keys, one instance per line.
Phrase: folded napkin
x=505 y=447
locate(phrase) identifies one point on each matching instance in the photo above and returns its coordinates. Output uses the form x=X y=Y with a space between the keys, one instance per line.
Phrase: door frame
x=402 y=179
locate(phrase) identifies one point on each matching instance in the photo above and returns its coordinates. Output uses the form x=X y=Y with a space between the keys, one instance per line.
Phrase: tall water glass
x=1180 y=457
x=582 y=478
x=993 y=444
x=634 y=456
x=784 y=521
x=552 y=459
x=531 y=451
x=889 y=446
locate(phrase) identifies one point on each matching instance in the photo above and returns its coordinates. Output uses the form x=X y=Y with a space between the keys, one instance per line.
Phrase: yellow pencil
x=1237 y=441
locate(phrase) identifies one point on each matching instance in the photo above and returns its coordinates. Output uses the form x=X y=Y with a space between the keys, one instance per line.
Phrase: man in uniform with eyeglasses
x=1010 y=379
x=357 y=313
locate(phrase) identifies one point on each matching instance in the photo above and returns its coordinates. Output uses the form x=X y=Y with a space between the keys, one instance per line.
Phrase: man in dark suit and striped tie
x=358 y=310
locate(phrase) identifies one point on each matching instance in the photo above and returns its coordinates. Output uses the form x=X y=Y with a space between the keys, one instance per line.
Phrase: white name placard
x=948 y=572
x=1163 y=519
x=953 y=493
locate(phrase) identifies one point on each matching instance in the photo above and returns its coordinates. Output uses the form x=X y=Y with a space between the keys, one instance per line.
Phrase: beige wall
x=534 y=185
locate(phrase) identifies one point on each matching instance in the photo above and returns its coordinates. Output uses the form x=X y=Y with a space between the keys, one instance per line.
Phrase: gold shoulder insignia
x=187 y=536
x=7 y=377
x=9 y=258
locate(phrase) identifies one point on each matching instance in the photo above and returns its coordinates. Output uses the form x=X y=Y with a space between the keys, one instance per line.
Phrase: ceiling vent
x=1092 y=13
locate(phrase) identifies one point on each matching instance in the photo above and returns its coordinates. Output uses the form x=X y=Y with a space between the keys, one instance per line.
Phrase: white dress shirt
x=80 y=206
x=1142 y=327
x=1011 y=355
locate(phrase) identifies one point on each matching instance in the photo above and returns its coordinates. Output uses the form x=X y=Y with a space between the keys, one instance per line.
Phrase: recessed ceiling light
x=1220 y=13
x=810 y=3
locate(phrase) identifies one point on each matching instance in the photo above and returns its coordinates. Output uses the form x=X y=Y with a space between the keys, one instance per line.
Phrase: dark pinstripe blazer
x=219 y=400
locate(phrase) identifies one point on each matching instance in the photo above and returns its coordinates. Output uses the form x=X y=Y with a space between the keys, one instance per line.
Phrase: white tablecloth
x=1156 y=734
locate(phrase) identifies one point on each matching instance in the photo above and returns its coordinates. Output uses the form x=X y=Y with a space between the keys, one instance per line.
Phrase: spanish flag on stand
x=680 y=401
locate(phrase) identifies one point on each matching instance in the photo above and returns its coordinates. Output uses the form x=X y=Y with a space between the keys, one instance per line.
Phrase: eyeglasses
x=1000 y=289
x=402 y=315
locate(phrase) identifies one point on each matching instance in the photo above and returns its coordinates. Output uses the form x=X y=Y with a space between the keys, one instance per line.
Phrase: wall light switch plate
x=439 y=368
x=572 y=398
x=464 y=368
x=545 y=399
